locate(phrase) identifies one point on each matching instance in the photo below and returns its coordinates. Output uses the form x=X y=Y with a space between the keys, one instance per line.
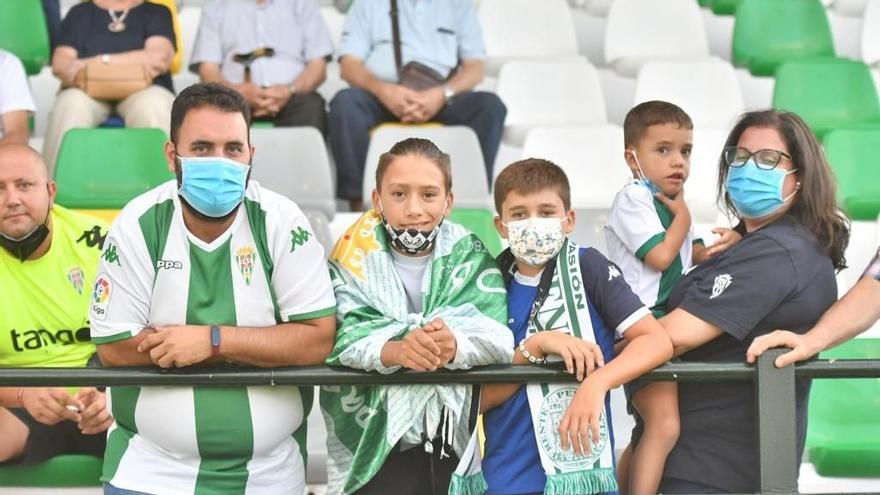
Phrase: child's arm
x=648 y=347
x=580 y=357
x=663 y=254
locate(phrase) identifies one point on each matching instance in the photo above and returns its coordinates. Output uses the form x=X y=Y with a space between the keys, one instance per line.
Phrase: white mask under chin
x=535 y=240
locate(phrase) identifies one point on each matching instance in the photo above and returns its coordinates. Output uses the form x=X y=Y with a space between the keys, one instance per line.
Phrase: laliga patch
x=101 y=297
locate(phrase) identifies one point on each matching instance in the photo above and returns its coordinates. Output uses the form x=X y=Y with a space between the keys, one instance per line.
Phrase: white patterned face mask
x=535 y=240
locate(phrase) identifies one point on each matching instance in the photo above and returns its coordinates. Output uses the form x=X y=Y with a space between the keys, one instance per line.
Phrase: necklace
x=117 y=22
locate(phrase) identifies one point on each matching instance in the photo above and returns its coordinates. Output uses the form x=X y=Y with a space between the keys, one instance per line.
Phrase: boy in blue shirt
x=565 y=303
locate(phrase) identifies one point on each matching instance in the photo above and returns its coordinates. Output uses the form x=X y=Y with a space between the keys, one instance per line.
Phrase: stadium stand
x=559 y=109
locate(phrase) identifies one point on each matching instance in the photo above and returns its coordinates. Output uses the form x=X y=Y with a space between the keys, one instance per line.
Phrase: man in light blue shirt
x=444 y=35
x=282 y=87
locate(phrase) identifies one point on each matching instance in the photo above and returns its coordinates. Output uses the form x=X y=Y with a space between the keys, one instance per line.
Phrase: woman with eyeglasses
x=774 y=177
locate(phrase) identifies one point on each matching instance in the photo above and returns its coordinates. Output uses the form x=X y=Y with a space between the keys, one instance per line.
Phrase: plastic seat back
x=107 y=168
x=768 y=33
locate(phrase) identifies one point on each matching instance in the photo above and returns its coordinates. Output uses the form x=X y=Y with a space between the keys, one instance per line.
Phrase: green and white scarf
x=463 y=286
x=561 y=306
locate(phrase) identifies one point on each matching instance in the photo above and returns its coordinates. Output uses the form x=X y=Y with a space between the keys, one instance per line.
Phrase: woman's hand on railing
x=800 y=345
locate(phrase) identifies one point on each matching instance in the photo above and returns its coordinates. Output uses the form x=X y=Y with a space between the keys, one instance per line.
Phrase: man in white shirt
x=16 y=102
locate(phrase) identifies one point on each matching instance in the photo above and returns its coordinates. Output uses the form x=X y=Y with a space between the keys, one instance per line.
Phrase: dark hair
x=416 y=147
x=650 y=113
x=529 y=176
x=207 y=95
x=815 y=204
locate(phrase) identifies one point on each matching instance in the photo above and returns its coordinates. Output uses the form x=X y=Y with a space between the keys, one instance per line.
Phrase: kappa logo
x=613 y=272
x=722 y=282
x=298 y=237
x=110 y=254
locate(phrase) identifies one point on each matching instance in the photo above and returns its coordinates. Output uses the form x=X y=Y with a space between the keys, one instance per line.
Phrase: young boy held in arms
x=651 y=238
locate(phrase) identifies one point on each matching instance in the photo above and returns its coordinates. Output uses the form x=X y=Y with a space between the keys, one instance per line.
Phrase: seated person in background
x=568 y=303
x=111 y=32
x=280 y=87
x=415 y=291
x=851 y=315
x=444 y=36
x=15 y=100
x=47 y=264
x=650 y=236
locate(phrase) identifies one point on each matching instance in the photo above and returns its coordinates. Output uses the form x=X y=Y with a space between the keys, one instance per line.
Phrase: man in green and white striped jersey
x=209 y=268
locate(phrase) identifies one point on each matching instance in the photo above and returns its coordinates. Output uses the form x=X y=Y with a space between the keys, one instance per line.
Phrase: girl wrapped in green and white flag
x=413 y=291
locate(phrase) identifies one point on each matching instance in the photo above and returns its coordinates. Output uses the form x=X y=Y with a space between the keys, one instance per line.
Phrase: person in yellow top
x=47 y=266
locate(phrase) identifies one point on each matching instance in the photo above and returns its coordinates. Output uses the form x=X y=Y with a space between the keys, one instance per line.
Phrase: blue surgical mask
x=754 y=192
x=643 y=179
x=213 y=185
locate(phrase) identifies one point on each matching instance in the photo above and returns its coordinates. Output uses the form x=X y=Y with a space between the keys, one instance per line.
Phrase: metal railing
x=774 y=390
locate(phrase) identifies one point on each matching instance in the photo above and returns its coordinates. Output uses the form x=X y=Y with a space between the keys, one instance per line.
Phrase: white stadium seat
x=549 y=94
x=707 y=90
x=293 y=161
x=700 y=190
x=852 y=8
x=592 y=157
x=643 y=30
x=526 y=29
x=871 y=34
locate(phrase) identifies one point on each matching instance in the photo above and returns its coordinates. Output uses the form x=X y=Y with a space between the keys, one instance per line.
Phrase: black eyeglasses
x=765 y=159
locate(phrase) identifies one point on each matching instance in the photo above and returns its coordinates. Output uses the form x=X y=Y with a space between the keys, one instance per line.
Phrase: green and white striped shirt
x=265 y=269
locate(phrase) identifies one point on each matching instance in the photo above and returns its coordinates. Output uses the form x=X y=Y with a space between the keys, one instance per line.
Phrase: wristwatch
x=215 y=340
x=448 y=93
x=105 y=58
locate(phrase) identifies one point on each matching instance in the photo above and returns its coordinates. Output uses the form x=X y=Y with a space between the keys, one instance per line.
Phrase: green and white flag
x=462 y=286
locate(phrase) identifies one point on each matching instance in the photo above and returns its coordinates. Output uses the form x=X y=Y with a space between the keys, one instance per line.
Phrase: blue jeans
x=353 y=112
x=112 y=490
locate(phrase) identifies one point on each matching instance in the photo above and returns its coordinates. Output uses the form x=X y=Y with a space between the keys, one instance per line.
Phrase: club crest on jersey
x=246 y=257
x=75 y=276
x=722 y=282
x=101 y=297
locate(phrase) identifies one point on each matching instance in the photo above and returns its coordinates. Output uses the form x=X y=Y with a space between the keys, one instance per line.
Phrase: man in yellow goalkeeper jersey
x=48 y=258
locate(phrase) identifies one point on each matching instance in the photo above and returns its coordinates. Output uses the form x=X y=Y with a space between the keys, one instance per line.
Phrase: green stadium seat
x=827 y=94
x=725 y=7
x=768 y=33
x=23 y=32
x=481 y=222
x=106 y=168
x=262 y=124
x=852 y=155
x=61 y=471
x=843 y=428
